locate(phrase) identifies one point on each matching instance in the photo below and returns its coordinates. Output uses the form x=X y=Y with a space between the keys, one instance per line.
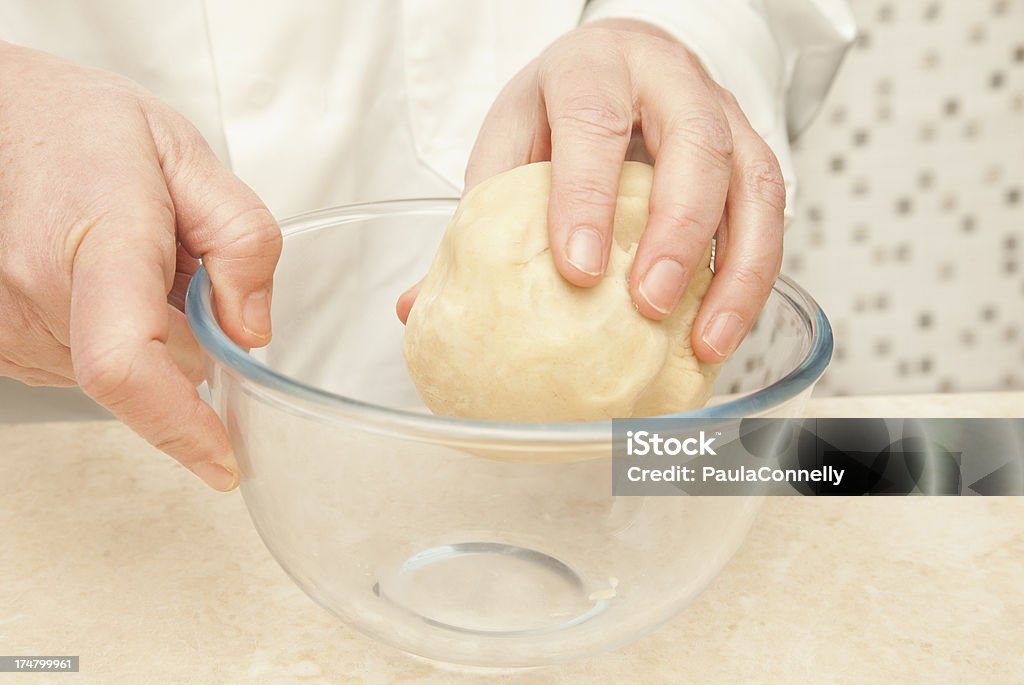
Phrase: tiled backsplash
x=910 y=221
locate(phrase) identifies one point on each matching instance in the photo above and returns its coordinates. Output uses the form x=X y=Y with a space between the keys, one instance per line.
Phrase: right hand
x=108 y=199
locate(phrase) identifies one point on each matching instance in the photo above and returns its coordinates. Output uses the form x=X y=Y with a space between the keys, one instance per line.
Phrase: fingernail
x=217 y=476
x=256 y=314
x=723 y=333
x=663 y=285
x=584 y=251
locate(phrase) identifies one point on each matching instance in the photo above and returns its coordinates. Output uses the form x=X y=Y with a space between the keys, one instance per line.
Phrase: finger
x=223 y=222
x=748 y=260
x=34 y=376
x=688 y=134
x=589 y=106
x=32 y=347
x=180 y=342
x=515 y=132
x=183 y=348
x=406 y=300
x=185 y=267
x=119 y=330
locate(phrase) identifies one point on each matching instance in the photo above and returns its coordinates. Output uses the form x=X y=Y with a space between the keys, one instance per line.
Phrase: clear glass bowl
x=462 y=541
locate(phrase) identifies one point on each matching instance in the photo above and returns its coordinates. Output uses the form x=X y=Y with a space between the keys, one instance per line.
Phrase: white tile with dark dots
x=910 y=222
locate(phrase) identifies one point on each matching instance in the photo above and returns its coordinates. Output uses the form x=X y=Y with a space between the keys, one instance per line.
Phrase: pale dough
x=498 y=333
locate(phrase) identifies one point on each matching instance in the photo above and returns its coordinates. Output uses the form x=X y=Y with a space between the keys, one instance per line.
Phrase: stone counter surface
x=112 y=552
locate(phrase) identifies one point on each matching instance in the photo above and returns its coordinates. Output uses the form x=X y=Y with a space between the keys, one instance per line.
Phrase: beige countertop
x=114 y=553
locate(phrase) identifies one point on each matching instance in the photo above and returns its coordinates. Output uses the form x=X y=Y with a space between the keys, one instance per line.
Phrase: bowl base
x=492 y=588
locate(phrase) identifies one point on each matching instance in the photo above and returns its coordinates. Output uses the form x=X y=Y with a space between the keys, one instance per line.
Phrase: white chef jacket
x=323 y=102
x=317 y=103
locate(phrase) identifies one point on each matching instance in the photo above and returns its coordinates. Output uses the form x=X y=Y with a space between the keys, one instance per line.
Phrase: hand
x=107 y=200
x=579 y=104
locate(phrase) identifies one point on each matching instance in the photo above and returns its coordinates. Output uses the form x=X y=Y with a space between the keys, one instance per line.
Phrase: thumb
x=221 y=221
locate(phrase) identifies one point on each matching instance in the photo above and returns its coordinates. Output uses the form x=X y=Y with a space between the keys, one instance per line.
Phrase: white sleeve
x=778 y=57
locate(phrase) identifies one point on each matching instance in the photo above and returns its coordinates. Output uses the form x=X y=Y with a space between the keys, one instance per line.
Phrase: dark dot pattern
x=909 y=226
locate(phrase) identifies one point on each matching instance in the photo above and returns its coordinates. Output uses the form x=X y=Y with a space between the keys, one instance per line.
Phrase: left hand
x=578 y=104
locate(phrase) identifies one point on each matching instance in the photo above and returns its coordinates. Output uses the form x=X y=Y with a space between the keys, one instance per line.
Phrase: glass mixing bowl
x=462 y=541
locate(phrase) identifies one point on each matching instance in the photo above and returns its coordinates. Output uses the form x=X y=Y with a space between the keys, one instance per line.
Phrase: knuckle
x=752 y=279
x=580 y=49
x=87 y=219
x=763 y=183
x=19 y=276
x=101 y=213
x=258 y=230
x=682 y=217
x=590 y=192
x=708 y=134
x=183 y=433
x=685 y=56
x=241 y=233
x=726 y=96
x=176 y=442
x=177 y=141
x=177 y=154
x=596 y=116
x=106 y=372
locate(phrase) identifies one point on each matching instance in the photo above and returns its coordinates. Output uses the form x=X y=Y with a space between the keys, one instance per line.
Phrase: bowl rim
x=324 y=405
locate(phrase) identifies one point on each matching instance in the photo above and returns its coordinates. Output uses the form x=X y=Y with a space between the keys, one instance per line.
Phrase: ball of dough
x=497 y=333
